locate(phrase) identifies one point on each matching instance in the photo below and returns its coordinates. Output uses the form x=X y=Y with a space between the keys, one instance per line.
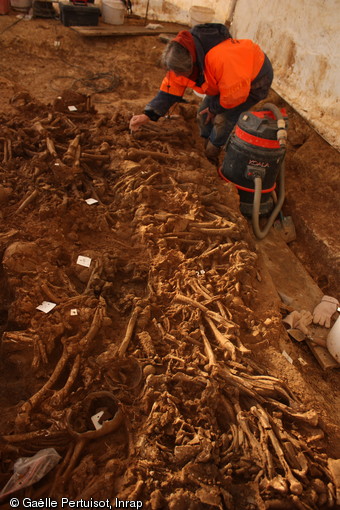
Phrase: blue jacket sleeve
x=160 y=104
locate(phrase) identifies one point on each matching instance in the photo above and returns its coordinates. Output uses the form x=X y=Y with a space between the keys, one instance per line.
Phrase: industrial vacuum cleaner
x=254 y=163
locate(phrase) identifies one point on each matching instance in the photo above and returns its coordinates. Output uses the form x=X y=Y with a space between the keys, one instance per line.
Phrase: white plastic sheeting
x=177 y=11
x=302 y=39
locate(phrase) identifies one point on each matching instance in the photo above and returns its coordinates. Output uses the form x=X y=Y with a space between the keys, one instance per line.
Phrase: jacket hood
x=185 y=38
x=205 y=37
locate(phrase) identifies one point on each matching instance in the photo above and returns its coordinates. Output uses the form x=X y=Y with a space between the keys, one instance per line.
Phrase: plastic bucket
x=4 y=6
x=200 y=15
x=21 y=5
x=333 y=340
x=113 y=12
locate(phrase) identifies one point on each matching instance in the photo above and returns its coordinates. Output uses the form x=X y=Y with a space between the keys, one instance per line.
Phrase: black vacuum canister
x=252 y=149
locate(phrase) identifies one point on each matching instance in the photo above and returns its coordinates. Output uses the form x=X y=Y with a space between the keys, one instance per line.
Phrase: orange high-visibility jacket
x=226 y=69
x=229 y=69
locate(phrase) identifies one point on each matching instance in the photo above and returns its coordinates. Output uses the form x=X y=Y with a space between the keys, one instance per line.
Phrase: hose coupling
x=282 y=137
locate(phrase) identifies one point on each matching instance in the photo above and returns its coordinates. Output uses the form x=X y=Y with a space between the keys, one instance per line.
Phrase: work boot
x=212 y=152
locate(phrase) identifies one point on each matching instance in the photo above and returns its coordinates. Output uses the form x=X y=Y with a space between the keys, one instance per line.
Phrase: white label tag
x=95 y=420
x=84 y=261
x=74 y=311
x=91 y=201
x=72 y=108
x=46 y=306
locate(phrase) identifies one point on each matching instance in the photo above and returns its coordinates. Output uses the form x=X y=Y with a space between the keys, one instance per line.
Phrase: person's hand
x=137 y=121
x=323 y=312
x=299 y=320
x=210 y=116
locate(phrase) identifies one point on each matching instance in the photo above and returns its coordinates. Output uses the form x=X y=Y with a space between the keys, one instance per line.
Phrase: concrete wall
x=302 y=39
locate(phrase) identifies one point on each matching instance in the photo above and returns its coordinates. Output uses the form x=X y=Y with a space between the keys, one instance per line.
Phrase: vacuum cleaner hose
x=260 y=234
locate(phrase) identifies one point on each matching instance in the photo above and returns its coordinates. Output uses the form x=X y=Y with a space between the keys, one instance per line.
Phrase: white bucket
x=21 y=5
x=333 y=340
x=113 y=12
x=200 y=14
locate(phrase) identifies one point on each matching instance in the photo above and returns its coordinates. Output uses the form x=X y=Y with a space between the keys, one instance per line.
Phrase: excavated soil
x=164 y=322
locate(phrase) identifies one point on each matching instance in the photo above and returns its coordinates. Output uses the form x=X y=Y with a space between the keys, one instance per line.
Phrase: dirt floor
x=164 y=324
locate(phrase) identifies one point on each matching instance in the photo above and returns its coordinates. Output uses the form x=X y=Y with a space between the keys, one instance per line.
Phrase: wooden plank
x=295 y=285
x=124 y=30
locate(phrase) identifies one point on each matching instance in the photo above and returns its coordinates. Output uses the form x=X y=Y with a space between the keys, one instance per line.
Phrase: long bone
x=27 y=200
x=39 y=353
x=208 y=350
x=97 y=322
x=309 y=416
x=71 y=150
x=255 y=445
x=68 y=352
x=264 y=384
x=198 y=288
x=7 y=143
x=223 y=340
x=217 y=222
x=138 y=154
x=129 y=331
x=34 y=436
x=213 y=315
x=223 y=231
x=165 y=335
x=213 y=249
x=23 y=415
x=269 y=465
x=227 y=213
x=235 y=442
x=51 y=147
x=60 y=396
x=82 y=439
x=295 y=486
